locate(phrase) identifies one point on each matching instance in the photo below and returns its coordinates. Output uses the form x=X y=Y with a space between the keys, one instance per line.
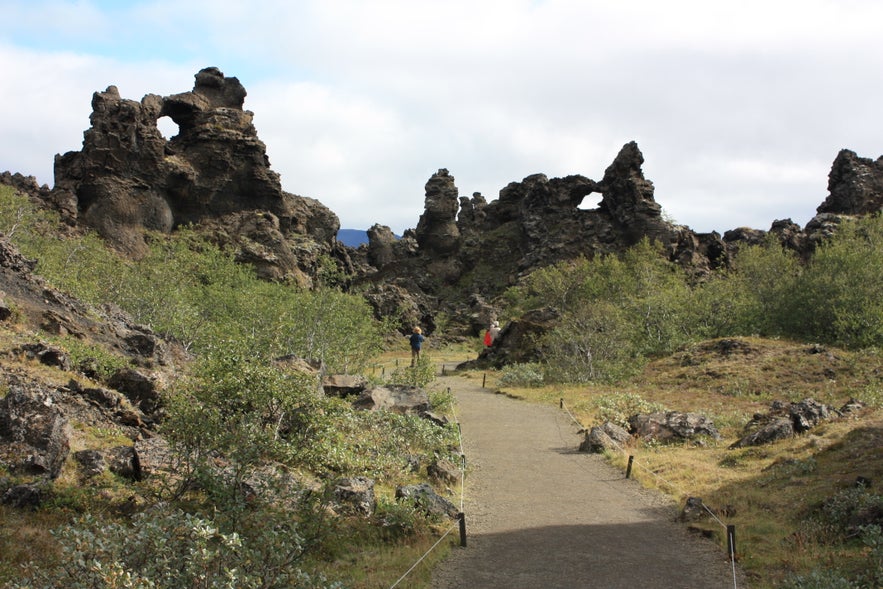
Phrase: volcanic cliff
x=215 y=175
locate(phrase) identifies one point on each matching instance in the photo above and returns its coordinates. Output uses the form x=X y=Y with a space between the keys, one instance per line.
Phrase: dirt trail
x=541 y=515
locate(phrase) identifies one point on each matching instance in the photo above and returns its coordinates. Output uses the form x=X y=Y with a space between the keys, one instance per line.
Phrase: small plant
x=419 y=375
x=526 y=375
x=618 y=407
x=92 y=360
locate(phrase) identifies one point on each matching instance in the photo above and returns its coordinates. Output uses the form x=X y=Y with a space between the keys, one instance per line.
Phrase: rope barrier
x=460 y=522
x=730 y=543
x=414 y=566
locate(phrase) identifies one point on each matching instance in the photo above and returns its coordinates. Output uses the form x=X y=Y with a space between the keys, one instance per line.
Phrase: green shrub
x=419 y=375
x=91 y=359
x=618 y=407
x=522 y=375
x=168 y=548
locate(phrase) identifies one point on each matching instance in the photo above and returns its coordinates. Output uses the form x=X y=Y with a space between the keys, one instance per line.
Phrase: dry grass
x=766 y=492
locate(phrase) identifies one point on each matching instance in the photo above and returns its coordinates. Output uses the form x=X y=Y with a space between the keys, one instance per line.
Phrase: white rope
x=408 y=572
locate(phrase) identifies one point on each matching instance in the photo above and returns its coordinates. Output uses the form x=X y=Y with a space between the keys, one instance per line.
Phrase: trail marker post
x=731 y=540
x=462 y=517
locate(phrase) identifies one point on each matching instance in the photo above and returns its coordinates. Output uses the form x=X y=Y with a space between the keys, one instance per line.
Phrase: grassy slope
x=766 y=492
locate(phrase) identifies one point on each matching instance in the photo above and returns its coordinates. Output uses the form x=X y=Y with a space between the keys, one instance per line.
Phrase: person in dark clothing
x=416 y=343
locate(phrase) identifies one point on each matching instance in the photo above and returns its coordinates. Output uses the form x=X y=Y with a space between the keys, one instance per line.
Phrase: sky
x=739 y=107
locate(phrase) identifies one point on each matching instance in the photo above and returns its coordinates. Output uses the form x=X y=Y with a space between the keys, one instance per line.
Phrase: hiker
x=416 y=343
x=490 y=336
x=495 y=331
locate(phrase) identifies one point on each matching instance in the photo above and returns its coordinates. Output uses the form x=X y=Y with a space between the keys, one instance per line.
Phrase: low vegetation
x=247 y=504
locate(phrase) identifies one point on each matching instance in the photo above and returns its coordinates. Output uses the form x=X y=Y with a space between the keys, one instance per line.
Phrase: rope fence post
x=731 y=541
x=628 y=470
x=483 y=379
x=462 y=517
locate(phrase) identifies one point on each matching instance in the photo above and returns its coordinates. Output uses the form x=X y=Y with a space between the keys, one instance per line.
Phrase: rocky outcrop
x=424 y=497
x=486 y=247
x=403 y=399
x=455 y=257
x=672 y=426
x=783 y=421
x=34 y=434
x=855 y=185
x=606 y=437
x=128 y=178
x=354 y=496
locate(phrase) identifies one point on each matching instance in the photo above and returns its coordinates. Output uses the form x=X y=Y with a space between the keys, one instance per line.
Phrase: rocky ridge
x=464 y=251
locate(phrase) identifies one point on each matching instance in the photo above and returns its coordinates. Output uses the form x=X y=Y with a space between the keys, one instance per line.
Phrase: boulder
x=91 y=462
x=343 y=385
x=693 y=510
x=444 y=471
x=5 y=310
x=807 y=414
x=140 y=388
x=34 y=434
x=439 y=420
x=424 y=497
x=407 y=400
x=672 y=426
x=783 y=421
x=608 y=436
x=516 y=343
x=121 y=461
x=21 y=496
x=153 y=456
x=778 y=428
x=355 y=496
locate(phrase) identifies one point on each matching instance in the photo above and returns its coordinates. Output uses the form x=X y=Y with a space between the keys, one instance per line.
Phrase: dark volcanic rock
x=855 y=185
x=783 y=421
x=128 y=178
x=672 y=425
x=403 y=399
x=437 y=231
x=34 y=434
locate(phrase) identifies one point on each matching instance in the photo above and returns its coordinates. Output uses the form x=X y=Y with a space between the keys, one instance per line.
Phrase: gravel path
x=541 y=515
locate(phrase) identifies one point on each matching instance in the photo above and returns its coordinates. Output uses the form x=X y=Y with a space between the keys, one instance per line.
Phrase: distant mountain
x=352 y=237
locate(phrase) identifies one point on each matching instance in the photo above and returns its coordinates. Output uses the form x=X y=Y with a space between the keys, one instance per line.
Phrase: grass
x=767 y=492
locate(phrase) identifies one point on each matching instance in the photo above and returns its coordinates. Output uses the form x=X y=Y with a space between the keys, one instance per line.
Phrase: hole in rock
x=591 y=202
x=167 y=127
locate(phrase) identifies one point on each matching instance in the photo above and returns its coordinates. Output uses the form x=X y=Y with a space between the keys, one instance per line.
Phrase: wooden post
x=483 y=379
x=628 y=470
x=561 y=403
x=731 y=540
x=443 y=370
x=462 y=517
